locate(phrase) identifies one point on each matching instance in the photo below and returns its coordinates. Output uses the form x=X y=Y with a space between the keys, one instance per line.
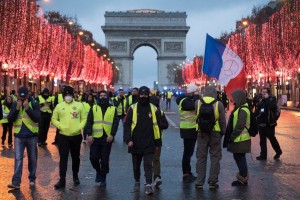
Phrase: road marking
x=171 y=122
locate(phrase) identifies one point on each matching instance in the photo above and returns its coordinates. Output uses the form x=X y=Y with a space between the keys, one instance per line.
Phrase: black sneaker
x=277 y=155
x=60 y=184
x=148 y=190
x=98 y=178
x=76 y=181
x=198 y=186
x=136 y=187
x=213 y=186
x=239 y=183
x=261 y=158
x=14 y=186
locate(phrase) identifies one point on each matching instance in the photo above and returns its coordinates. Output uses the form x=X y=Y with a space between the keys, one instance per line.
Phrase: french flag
x=220 y=62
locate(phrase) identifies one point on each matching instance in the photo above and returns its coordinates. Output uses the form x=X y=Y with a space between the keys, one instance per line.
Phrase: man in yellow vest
x=25 y=117
x=57 y=100
x=70 y=118
x=133 y=98
x=186 y=106
x=142 y=135
x=240 y=139
x=212 y=126
x=169 y=95
x=120 y=103
x=101 y=128
x=46 y=107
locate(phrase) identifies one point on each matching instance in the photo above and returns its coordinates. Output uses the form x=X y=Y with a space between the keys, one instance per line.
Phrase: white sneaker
x=157 y=182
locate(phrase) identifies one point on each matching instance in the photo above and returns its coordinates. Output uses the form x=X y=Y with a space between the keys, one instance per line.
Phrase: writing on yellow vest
x=102 y=122
x=24 y=118
x=154 y=120
x=244 y=135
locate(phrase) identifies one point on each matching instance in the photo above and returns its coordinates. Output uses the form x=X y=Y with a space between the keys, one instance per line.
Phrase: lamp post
x=288 y=87
x=4 y=70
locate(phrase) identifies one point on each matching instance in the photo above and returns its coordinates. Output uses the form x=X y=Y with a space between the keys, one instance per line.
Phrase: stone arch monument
x=165 y=32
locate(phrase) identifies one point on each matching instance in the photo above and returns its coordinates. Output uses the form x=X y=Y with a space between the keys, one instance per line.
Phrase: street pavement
x=269 y=179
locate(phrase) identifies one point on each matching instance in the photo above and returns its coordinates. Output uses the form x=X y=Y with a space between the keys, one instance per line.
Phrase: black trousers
x=240 y=159
x=68 y=144
x=44 y=125
x=168 y=104
x=137 y=160
x=7 y=127
x=264 y=133
x=189 y=146
x=99 y=157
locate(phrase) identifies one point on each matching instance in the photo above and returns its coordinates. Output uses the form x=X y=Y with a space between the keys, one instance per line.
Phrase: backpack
x=206 y=117
x=253 y=129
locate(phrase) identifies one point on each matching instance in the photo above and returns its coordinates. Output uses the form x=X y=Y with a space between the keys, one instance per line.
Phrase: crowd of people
x=95 y=117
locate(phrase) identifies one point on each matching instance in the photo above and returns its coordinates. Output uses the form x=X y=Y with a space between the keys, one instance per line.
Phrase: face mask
x=68 y=99
x=103 y=101
x=143 y=100
x=266 y=96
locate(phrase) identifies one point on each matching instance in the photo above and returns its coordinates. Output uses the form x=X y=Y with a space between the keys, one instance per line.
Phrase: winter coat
x=266 y=111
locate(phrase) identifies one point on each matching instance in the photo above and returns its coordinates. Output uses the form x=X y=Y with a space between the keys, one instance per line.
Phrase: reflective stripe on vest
x=154 y=120
x=45 y=108
x=187 y=118
x=217 y=114
x=119 y=108
x=6 y=111
x=244 y=134
x=101 y=123
x=23 y=117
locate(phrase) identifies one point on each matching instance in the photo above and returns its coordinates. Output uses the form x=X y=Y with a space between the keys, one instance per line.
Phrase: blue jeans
x=240 y=159
x=31 y=147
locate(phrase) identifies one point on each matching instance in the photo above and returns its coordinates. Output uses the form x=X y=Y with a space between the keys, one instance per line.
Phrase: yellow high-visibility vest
x=103 y=122
x=187 y=118
x=23 y=117
x=6 y=111
x=244 y=135
x=154 y=120
x=45 y=108
x=169 y=95
x=119 y=108
x=217 y=114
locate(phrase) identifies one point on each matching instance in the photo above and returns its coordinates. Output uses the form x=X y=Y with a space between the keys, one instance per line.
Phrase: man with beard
x=101 y=128
x=70 y=118
x=46 y=107
x=25 y=116
x=142 y=136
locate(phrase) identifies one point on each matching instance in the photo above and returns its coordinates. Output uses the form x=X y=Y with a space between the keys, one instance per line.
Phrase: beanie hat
x=144 y=90
x=45 y=90
x=68 y=90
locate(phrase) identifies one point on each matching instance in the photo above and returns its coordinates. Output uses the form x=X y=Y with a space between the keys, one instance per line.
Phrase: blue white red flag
x=220 y=62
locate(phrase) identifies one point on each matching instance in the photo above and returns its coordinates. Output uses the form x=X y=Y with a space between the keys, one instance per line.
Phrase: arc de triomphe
x=165 y=32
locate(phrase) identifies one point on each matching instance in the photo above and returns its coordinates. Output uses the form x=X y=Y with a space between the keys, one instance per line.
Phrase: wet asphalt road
x=268 y=179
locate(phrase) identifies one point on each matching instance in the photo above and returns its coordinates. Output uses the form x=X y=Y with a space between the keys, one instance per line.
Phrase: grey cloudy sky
x=203 y=16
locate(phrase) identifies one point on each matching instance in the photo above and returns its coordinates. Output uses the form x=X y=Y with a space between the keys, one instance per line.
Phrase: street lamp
x=4 y=70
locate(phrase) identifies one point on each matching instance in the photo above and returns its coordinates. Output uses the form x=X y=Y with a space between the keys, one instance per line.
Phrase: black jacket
x=188 y=104
x=266 y=111
x=143 y=134
x=90 y=121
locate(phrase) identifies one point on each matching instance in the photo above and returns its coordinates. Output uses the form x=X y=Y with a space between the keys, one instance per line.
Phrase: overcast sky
x=203 y=16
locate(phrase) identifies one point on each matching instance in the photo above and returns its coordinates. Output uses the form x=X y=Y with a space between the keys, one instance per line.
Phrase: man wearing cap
x=25 y=116
x=120 y=103
x=142 y=135
x=46 y=106
x=70 y=118
x=188 y=132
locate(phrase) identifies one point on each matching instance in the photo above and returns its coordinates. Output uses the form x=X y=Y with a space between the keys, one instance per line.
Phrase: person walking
x=133 y=98
x=188 y=132
x=70 y=118
x=101 y=128
x=57 y=100
x=142 y=136
x=168 y=97
x=212 y=126
x=7 y=126
x=25 y=116
x=120 y=103
x=239 y=139
x=46 y=107
x=267 y=121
